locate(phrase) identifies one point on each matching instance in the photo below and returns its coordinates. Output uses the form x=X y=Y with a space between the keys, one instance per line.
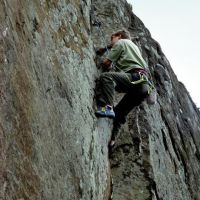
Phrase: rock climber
x=129 y=66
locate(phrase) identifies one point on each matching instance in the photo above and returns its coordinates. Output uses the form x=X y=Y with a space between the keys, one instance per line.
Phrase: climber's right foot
x=106 y=111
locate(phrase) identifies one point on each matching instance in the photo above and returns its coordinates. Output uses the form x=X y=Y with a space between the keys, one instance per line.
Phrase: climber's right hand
x=109 y=46
x=101 y=51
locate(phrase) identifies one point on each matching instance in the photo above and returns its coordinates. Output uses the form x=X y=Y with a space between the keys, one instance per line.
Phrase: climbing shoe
x=111 y=148
x=106 y=111
x=111 y=144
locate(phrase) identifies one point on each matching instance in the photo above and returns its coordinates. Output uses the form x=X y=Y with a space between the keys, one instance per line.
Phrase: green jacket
x=126 y=55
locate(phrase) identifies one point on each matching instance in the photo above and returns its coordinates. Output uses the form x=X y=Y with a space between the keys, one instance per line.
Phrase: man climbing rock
x=129 y=78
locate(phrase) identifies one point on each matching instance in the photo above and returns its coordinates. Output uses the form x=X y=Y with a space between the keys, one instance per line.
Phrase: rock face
x=52 y=146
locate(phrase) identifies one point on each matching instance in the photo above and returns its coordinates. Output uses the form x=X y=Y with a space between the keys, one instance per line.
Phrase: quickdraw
x=98 y=24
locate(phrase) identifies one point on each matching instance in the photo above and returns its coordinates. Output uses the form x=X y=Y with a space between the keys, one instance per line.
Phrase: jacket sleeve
x=115 y=52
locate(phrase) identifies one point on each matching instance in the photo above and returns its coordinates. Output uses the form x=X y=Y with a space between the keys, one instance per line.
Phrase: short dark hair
x=123 y=33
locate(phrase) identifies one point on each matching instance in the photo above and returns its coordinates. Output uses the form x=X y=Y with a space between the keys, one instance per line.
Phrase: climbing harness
x=143 y=79
x=151 y=97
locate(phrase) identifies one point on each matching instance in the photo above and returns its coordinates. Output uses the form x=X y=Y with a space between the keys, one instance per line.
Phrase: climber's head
x=122 y=34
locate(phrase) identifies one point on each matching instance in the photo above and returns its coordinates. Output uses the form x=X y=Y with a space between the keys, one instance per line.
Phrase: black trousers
x=121 y=82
